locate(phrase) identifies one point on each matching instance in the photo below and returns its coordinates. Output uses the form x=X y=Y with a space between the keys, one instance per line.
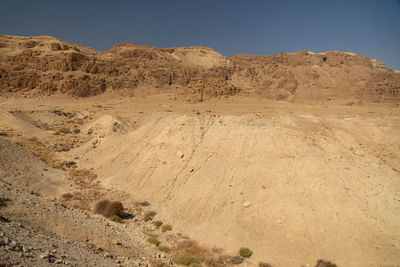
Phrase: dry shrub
x=149 y=215
x=33 y=139
x=114 y=208
x=158 y=223
x=164 y=249
x=116 y=218
x=63 y=130
x=324 y=263
x=189 y=247
x=109 y=208
x=67 y=196
x=153 y=240
x=101 y=206
x=264 y=264
x=84 y=177
x=185 y=260
x=166 y=227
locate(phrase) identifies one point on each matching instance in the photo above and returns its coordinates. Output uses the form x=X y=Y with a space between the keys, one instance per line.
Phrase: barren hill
x=316 y=176
x=295 y=183
x=45 y=65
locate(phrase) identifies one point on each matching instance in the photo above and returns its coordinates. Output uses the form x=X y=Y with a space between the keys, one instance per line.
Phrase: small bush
x=101 y=206
x=164 y=249
x=153 y=240
x=149 y=215
x=61 y=164
x=114 y=208
x=185 y=260
x=109 y=208
x=263 y=264
x=245 y=252
x=158 y=223
x=324 y=263
x=67 y=196
x=33 y=139
x=70 y=164
x=4 y=134
x=63 y=130
x=166 y=227
x=116 y=218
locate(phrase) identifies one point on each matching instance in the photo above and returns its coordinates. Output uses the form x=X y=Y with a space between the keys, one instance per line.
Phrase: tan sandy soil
x=295 y=183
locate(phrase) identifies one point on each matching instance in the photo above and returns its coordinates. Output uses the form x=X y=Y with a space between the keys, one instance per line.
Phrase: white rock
x=246 y=204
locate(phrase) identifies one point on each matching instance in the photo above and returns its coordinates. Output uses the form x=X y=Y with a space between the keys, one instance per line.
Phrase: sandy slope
x=295 y=183
x=319 y=185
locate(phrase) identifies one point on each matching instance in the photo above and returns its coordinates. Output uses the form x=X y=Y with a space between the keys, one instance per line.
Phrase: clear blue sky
x=370 y=28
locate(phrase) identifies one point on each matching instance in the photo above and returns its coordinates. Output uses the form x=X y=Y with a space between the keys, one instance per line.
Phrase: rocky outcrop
x=45 y=65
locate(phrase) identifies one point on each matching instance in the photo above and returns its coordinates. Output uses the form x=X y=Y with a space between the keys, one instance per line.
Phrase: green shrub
x=185 y=260
x=158 y=223
x=33 y=139
x=245 y=252
x=149 y=215
x=324 y=263
x=153 y=240
x=116 y=218
x=61 y=164
x=164 y=249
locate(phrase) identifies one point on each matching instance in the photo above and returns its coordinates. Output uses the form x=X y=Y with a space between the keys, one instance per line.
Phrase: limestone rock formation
x=45 y=65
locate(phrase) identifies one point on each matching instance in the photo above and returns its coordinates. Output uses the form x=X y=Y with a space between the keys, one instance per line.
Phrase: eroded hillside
x=201 y=155
x=295 y=183
x=45 y=65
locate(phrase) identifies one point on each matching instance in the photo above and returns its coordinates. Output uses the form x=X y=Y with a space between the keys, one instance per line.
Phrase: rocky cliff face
x=45 y=65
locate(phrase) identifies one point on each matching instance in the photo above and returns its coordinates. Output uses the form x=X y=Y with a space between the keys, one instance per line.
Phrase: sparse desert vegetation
x=166 y=227
x=245 y=252
x=185 y=260
x=116 y=218
x=109 y=208
x=158 y=223
x=264 y=264
x=149 y=215
x=164 y=249
x=33 y=139
x=325 y=263
x=153 y=240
